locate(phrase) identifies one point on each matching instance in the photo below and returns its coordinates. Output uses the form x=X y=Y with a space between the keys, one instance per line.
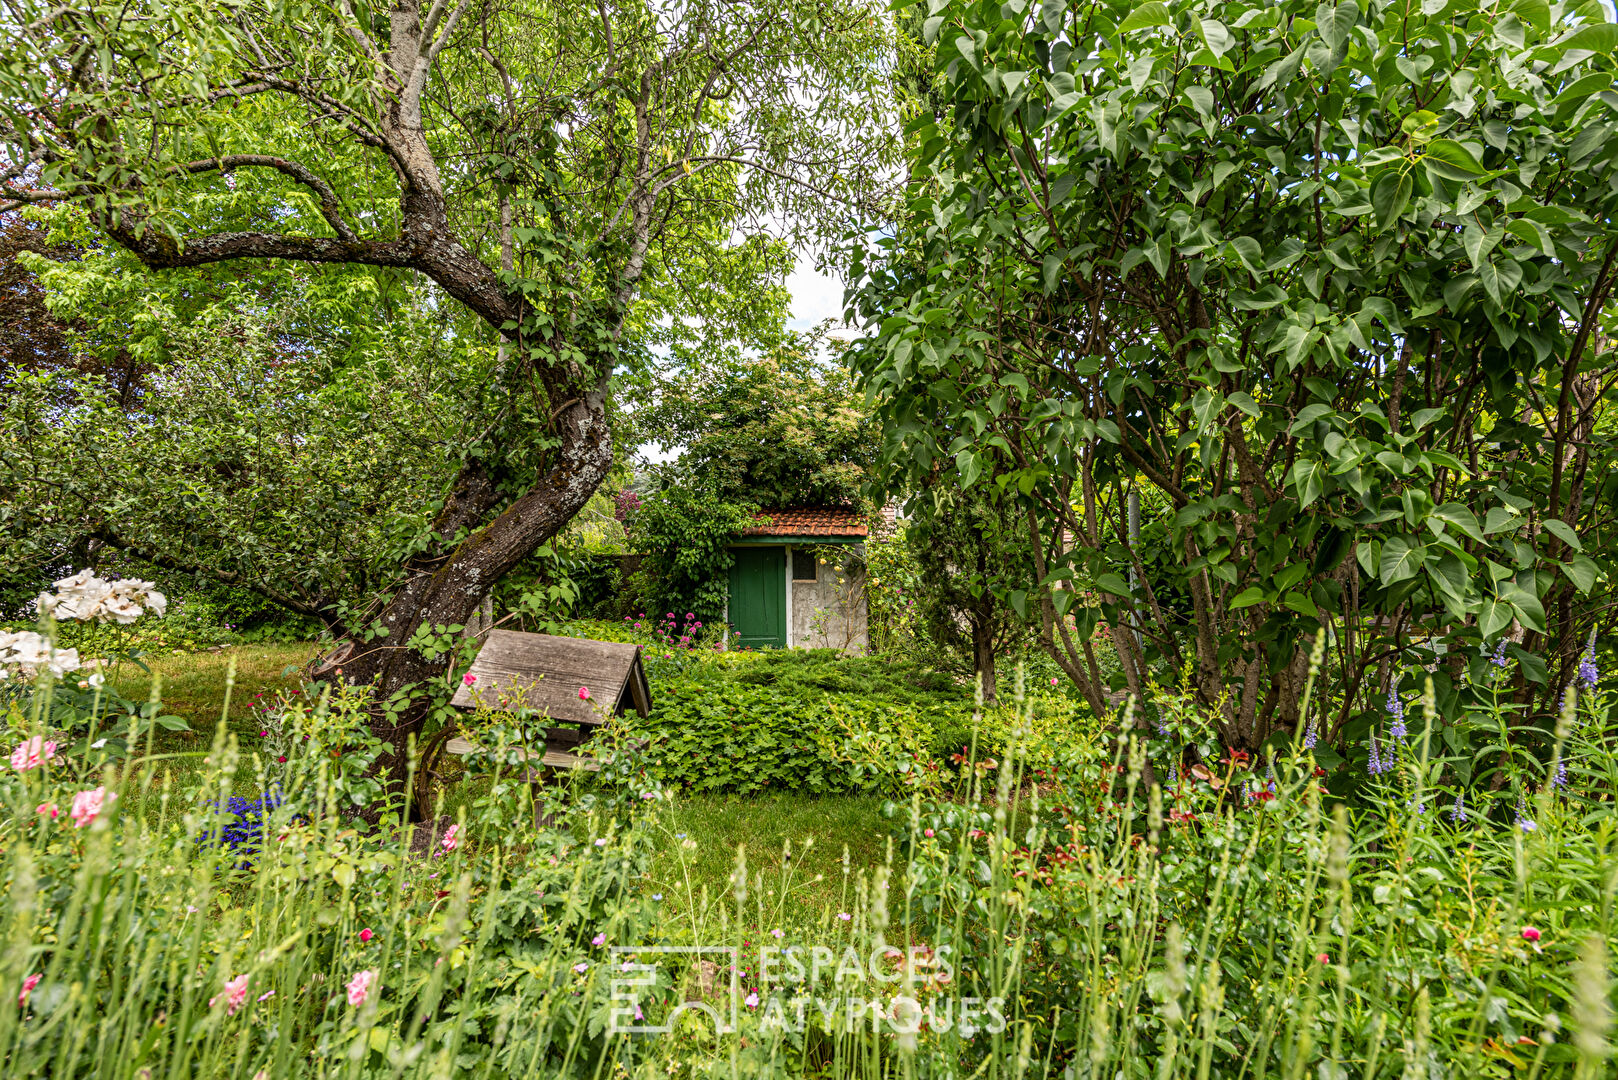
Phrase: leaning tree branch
x=314 y=610
x=298 y=172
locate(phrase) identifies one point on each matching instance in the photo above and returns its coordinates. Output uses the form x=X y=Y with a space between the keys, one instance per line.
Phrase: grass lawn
x=698 y=836
x=193 y=685
x=795 y=848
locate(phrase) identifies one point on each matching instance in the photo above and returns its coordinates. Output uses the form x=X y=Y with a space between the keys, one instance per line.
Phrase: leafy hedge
x=813 y=721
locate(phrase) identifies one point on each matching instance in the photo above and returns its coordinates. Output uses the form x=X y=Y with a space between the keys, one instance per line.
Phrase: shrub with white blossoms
x=27 y=652
x=91 y=599
x=83 y=597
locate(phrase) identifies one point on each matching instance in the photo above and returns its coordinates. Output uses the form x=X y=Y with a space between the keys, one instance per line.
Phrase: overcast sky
x=814 y=296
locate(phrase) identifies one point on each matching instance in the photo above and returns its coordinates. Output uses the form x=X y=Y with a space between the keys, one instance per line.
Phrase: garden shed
x=798 y=581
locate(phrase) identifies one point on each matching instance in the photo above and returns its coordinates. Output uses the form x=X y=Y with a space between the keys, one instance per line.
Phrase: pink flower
x=266 y=995
x=366 y=935
x=32 y=753
x=845 y=916
x=927 y=832
x=776 y=933
x=264 y=734
x=599 y=939
x=87 y=805
x=359 y=987
x=751 y=1001
x=584 y=693
x=581 y=967
x=1053 y=681
x=28 y=985
x=451 y=841
x=235 y=995
x=1530 y=934
x=469 y=678
x=48 y=808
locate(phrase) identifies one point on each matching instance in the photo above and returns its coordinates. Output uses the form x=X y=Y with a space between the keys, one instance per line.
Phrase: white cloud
x=815 y=296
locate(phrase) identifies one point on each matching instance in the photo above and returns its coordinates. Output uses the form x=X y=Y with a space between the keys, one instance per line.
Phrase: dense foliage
x=1332 y=279
x=782 y=428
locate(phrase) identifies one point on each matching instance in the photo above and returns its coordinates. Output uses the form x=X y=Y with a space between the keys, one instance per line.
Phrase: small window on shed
x=804 y=565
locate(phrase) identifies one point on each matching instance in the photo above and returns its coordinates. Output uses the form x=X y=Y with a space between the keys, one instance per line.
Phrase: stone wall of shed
x=830 y=613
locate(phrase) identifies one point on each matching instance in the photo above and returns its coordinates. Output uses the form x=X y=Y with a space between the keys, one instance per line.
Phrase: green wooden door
x=758 y=597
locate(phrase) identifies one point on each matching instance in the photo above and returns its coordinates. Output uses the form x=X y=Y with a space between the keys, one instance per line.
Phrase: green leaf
x=1249 y=251
x=1500 y=279
x=1493 y=617
x=1146 y=16
x=1498 y=520
x=1401 y=559
x=1113 y=583
x=1527 y=606
x=1450 y=575
x=1244 y=402
x=1454 y=154
x=1247 y=598
x=1262 y=300
x=1390 y=195
x=1218 y=36
x=1598 y=37
x=1301 y=604
x=1052 y=271
x=1581 y=571
x=1307 y=479
x=968 y=48
x=1335 y=23
x=1460 y=516
x=1564 y=532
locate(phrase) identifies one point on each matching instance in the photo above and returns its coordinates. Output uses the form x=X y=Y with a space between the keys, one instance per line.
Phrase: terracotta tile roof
x=833 y=522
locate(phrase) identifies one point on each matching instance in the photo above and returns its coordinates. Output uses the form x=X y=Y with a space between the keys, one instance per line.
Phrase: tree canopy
x=1330 y=277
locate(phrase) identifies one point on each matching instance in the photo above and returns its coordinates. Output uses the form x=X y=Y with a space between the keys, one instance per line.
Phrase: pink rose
x=28 y=985
x=366 y=935
x=32 y=753
x=87 y=806
x=1530 y=934
x=469 y=678
x=359 y=987
x=48 y=808
x=584 y=693
x=235 y=995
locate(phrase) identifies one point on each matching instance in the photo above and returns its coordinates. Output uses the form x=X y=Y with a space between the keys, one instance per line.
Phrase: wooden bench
x=544 y=673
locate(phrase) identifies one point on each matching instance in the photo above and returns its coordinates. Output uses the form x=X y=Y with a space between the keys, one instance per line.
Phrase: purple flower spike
x=1396 y=709
x=1589 y=674
x=1458 y=811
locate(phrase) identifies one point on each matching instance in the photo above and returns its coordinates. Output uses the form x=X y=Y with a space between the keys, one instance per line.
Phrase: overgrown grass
x=811 y=850
x=193 y=684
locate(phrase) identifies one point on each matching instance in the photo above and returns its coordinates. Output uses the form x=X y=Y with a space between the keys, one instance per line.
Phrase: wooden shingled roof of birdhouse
x=545 y=673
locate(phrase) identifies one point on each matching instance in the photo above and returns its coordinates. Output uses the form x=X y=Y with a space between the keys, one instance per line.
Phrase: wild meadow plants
x=1069 y=907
